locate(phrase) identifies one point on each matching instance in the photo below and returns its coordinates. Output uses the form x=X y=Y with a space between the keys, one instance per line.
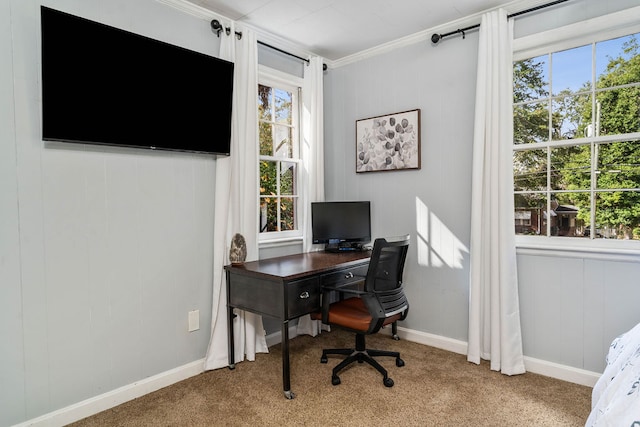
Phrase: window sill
x=571 y=247
x=279 y=242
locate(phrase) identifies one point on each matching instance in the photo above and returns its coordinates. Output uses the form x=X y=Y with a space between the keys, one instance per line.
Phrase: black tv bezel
x=147 y=140
x=341 y=239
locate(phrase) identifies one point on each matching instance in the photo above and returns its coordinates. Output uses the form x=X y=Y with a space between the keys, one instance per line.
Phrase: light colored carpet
x=434 y=388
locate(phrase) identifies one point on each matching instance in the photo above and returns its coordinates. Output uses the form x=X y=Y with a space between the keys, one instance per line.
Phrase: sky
x=572 y=68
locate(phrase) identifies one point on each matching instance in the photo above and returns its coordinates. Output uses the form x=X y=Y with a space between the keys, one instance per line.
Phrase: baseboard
x=129 y=392
x=115 y=397
x=437 y=341
x=276 y=337
x=561 y=372
x=536 y=366
x=123 y=394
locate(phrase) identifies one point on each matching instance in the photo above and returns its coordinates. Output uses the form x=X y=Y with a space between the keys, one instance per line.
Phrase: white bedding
x=615 y=400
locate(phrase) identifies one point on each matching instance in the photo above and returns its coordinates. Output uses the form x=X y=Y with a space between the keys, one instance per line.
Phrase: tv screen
x=341 y=222
x=103 y=85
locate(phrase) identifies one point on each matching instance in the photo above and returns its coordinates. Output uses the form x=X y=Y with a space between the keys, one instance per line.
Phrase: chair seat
x=352 y=313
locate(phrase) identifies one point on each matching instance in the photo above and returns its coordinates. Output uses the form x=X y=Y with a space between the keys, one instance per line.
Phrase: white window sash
x=274 y=78
x=594 y=30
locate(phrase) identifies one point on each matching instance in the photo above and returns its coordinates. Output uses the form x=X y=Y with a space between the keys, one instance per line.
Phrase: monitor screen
x=339 y=222
x=104 y=85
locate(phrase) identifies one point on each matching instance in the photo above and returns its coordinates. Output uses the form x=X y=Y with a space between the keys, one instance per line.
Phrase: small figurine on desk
x=238 y=250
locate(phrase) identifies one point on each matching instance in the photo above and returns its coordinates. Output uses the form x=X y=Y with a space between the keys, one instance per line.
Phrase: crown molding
x=264 y=36
x=193 y=9
x=419 y=37
x=425 y=35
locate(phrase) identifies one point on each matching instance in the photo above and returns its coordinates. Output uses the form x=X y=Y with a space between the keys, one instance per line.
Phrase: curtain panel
x=494 y=312
x=313 y=161
x=236 y=203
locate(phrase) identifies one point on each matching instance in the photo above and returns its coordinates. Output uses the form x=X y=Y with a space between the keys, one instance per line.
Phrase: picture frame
x=388 y=142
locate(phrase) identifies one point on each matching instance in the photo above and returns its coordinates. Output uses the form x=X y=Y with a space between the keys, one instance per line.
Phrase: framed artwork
x=389 y=142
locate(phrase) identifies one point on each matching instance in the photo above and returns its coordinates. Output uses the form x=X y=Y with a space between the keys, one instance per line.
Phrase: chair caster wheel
x=388 y=382
x=335 y=380
x=323 y=359
x=399 y=362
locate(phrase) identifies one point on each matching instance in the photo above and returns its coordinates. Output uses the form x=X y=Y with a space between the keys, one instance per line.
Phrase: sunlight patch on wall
x=437 y=245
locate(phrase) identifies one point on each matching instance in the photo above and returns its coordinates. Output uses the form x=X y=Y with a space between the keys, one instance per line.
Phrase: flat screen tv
x=103 y=85
x=341 y=225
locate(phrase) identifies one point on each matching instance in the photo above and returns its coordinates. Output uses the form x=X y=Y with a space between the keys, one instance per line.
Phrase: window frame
x=605 y=27
x=274 y=78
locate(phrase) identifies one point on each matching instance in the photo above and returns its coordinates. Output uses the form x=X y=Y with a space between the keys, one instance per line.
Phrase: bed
x=615 y=399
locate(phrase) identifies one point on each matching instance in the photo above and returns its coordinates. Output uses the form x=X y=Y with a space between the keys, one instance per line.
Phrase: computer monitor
x=341 y=225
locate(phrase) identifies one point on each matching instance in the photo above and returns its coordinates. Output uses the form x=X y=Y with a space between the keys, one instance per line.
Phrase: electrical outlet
x=194 y=320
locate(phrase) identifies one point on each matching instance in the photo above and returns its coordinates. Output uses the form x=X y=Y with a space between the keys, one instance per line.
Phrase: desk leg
x=232 y=358
x=286 y=373
x=230 y=316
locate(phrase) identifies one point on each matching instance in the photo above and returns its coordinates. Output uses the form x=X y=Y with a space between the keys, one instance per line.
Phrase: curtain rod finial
x=435 y=38
x=216 y=26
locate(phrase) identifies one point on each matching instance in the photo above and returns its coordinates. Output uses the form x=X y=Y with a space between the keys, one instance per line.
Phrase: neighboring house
x=564 y=221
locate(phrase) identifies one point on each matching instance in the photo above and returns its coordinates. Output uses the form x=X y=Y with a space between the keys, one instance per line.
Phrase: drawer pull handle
x=304 y=295
x=349 y=275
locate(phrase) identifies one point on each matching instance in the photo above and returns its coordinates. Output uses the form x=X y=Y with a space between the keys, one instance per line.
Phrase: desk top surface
x=294 y=266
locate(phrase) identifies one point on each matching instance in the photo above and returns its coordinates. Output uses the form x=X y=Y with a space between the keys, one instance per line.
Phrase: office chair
x=381 y=302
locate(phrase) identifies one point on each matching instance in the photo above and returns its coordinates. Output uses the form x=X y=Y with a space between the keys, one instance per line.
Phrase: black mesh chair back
x=385 y=296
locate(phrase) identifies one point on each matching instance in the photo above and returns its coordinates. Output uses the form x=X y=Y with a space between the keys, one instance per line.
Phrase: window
x=279 y=157
x=576 y=156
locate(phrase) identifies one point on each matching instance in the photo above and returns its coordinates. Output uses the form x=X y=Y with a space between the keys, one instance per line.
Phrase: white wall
x=571 y=307
x=103 y=251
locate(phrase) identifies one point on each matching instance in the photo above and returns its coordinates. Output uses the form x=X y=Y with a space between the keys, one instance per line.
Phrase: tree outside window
x=576 y=157
x=277 y=113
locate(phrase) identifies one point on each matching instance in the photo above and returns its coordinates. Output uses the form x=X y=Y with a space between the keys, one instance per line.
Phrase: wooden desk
x=286 y=288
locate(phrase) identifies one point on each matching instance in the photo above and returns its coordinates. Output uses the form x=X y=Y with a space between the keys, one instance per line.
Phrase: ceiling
x=336 y=29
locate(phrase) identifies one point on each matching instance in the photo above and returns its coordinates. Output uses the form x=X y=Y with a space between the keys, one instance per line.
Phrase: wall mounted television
x=104 y=85
x=341 y=225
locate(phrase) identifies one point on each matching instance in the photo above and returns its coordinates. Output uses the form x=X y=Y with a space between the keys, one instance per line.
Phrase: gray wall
x=572 y=307
x=103 y=251
x=431 y=204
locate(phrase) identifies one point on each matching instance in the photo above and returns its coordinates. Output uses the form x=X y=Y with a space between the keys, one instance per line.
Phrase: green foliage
x=528 y=80
x=530 y=117
x=277 y=178
x=617 y=111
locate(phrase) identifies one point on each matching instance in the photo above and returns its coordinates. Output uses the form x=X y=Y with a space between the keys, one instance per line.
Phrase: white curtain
x=236 y=203
x=494 y=313
x=312 y=160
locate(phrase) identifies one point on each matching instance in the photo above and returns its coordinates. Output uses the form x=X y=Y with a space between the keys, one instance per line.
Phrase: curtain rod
x=217 y=27
x=324 y=66
x=435 y=38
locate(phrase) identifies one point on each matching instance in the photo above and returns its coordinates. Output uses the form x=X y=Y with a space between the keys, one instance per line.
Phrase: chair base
x=361 y=354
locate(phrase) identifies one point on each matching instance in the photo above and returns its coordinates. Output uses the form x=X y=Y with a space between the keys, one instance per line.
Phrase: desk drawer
x=347 y=275
x=263 y=297
x=303 y=297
